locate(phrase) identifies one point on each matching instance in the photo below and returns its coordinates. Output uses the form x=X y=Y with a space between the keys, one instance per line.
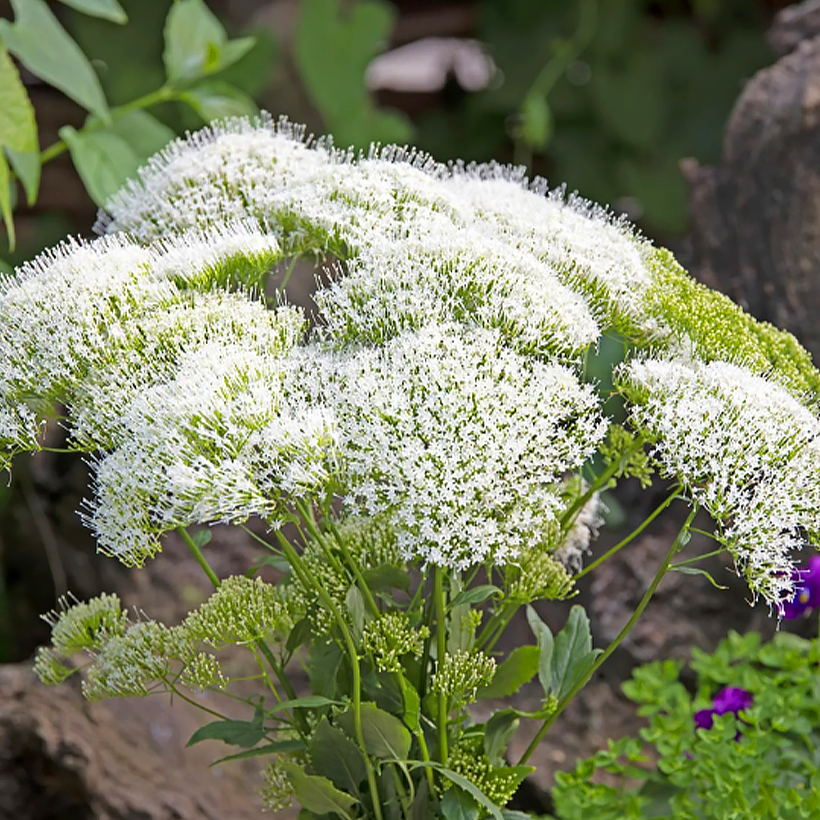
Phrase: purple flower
x=806 y=591
x=729 y=699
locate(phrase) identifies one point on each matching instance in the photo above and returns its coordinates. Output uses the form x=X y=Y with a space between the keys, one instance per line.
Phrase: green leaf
x=412 y=704
x=324 y=660
x=385 y=736
x=5 y=200
x=543 y=636
x=386 y=576
x=196 y=44
x=216 y=100
x=317 y=794
x=332 y=51
x=573 y=654
x=105 y=9
x=103 y=160
x=268 y=749
x=536 y=120
x=146 y=135
x=338 y=758
x=475 y=595
x=18 y=127
x=193 y=39
x=299 y=635
x=519 y=668
x=306 y=702
x=462 y=783
x=244 y=733
x=497 y=733
x=697 y=571
x=44 y=47
x=458 y=805
x=202 y=538
x=355 y=607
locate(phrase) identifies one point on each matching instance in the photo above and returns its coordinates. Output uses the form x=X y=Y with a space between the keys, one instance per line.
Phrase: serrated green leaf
x=317 y=794
x=103 y=160
x=519 y=668
x=105 y=9
x=497 y=733
x=44 y=47
x=573 y=653
x=458 y=805
x=215 y=100
x=276 y=747
x=385 y=736
x=546 y=645
x=335 y=756
x=475 y=595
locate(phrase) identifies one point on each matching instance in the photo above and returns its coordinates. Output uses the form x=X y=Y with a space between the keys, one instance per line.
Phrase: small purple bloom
x=730 y=699
x=806 y=591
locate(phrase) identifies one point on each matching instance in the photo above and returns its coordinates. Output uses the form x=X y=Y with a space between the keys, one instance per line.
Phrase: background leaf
x=215 y=100
x=45 y=48
x=103 y=160
x=242 y=733
x=105 y=9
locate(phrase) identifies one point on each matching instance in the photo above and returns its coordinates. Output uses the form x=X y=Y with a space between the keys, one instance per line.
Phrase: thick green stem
x=441 y=651
x=304 y=573
x=677 y=544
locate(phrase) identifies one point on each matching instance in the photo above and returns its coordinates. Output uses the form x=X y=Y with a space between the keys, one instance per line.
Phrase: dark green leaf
x=386 y=576
x=5 y=199
x=338 y=758
x=546 y=644
x=244 y=733
x=497 y=733
x=385 y=736
x=105 y=9
x=278 y=562
x=519 y=668
x=422 y=808
x=324 y=660
x=306 y=702
x=573 y=654
x=317 y=794
x=103 y=160
x=27 y=167
x=44 y=47
x=458 y=805
x=515 y=815
x=216 y=100
x=268 y=749
x=300 y=634
x=462 y=783
x=475 y=595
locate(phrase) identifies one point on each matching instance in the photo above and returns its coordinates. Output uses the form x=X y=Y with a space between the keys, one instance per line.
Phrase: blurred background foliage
x=605 y=96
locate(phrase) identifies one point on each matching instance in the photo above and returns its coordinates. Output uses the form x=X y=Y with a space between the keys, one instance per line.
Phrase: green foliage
x=762 y=763
x=333 y=48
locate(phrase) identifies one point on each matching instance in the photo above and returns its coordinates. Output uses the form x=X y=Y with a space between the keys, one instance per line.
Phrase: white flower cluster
x=441 y=388
x=745 y=449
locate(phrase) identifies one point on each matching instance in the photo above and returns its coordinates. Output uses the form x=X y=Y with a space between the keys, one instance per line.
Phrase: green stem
x=697 y=558
x=305 y=573
x=677 y=544
x=163 y=94
x=441 y=651
x=569 y=516
x=200 y=558
x=634 y=534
